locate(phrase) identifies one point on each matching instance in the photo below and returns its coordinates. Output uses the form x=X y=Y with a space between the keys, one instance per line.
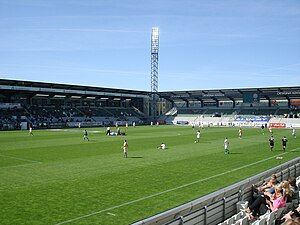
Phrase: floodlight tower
x=154 y=70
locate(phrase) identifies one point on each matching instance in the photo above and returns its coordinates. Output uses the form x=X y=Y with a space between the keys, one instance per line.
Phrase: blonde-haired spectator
x=287 y=193
x=267 y=201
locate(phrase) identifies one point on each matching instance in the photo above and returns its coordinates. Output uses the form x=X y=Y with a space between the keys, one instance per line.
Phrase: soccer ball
x=195 y=142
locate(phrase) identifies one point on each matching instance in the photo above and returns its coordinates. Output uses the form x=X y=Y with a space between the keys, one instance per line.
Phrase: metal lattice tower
x=154 y=70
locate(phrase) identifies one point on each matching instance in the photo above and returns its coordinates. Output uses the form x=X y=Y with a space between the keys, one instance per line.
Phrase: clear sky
x=207 y=44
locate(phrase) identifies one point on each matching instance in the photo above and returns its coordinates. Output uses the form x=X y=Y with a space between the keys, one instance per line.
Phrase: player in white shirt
x=108 y=131
x=125 y=148
x=226 y=146
x=198 y=135
x=162 y=146
x=30 y=130
x=294 y=132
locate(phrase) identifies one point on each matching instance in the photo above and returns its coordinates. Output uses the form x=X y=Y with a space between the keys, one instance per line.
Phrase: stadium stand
x=44 y=103
x=48 y=105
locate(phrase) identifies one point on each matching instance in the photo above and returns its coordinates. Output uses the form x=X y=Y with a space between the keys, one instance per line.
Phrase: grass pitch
x=54 y=177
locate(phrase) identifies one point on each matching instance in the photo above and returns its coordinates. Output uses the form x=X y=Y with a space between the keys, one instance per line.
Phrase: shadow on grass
x=235 y=153
x=135 y=157
x=296 y=150
x=277 y=150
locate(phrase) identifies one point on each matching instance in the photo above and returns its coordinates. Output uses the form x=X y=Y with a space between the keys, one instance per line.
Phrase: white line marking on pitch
x=26 y=164
x=18 y=158
x=172 y=189
x=76 y=131
x=111 y=214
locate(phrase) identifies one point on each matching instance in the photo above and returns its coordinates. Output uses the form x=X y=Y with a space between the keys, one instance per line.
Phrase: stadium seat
x=238 y=222
x=237 y=216
x=279 y=213
x=229 y=221
x=259 y=222
x=245 y=221
x=270 y=218
x=242 y=221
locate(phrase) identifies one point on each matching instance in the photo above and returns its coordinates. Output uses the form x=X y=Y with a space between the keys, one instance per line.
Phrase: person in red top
x=240 y=133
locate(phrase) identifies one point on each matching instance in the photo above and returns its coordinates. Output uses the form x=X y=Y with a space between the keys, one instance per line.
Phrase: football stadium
x=83 y=142
x=53 y=173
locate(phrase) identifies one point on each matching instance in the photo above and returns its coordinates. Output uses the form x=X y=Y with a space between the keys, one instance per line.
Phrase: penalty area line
x=170 y=190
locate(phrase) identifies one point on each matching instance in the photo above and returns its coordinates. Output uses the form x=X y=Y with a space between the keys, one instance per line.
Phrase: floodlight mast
x=154 y=70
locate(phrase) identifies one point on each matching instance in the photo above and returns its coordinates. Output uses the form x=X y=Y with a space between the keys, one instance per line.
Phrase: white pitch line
x=169 y=190
x=18 y=158
x=111 y=214
x=26 y=164
x=76 y=131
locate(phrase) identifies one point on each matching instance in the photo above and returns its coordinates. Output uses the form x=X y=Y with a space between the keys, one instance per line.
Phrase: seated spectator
x=287 y=193
x=267 y=201
x=292 y=222
x=294 y=188
x=293 y=215
x=266 y=186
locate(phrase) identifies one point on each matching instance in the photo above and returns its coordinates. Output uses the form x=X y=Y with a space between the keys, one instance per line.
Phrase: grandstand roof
x=230 y=94
x=32 y=88
x=12 y=87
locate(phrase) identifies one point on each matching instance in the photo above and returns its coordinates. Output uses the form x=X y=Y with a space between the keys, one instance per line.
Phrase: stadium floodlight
x=59 y=96
x=104 y=98
x=154 y=59
x=154 y=69
x=90 y=97
x=117 y=99
x=155 y=31
x=75 y=96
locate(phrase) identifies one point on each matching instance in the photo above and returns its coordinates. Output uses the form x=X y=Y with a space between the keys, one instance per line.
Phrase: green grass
x=55 y=176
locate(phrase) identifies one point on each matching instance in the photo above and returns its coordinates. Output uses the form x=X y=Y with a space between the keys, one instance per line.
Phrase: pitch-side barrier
x=216 y=207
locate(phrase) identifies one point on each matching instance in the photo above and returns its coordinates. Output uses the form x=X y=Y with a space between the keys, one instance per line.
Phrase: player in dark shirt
x=85 y=135
x=284 y=141
x=262 y=129
x=271 y=141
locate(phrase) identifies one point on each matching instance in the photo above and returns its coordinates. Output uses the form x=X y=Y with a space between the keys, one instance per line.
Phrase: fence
x=217 y=206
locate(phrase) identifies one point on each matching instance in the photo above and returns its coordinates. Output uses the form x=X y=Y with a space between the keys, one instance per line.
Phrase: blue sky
x=203 y=44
